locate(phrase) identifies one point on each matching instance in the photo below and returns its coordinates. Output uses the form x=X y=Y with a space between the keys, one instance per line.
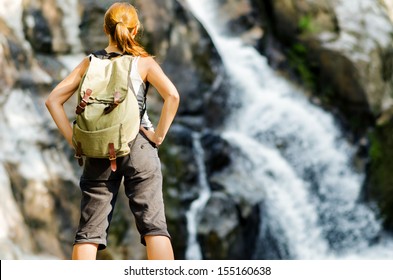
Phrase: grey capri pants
x=141 y=170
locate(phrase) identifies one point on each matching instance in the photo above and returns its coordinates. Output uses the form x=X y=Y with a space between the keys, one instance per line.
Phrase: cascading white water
x=300 y=159
x=193 y=250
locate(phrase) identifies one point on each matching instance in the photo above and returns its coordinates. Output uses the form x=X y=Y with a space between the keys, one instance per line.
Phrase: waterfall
x=193 y=250
x=296 y=156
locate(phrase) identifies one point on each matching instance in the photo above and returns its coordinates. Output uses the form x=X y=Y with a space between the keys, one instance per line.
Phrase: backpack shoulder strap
x=99 y=54
x=102 y=54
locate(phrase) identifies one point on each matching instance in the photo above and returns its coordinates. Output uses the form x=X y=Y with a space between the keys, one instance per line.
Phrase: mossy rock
x=380 y=174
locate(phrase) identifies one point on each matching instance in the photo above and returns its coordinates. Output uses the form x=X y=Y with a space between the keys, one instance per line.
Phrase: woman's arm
x=167 y=90
x=60 y=94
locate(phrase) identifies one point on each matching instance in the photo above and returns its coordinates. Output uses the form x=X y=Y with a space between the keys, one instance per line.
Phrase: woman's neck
x=112 y=47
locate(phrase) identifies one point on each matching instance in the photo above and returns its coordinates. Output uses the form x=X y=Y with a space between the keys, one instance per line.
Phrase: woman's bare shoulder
x=83 y=65
x=147 y=61
x=146 y=65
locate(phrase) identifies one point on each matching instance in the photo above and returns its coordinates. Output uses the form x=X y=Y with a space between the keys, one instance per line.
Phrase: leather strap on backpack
x=112 y=156
x=78 y=153
x=116 y=102
x=82 y=105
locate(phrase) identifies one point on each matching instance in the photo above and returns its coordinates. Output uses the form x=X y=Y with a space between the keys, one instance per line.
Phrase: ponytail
x=120 y=22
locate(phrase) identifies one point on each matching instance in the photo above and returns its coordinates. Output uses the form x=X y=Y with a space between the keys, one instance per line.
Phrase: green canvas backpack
x=107 y=115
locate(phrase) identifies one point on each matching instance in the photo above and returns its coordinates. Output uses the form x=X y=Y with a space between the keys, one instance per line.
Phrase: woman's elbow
x=175 y=97
x=50 y=102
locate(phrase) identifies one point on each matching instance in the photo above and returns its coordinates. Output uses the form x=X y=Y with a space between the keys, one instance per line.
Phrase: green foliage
x=375 y=151
x=298 y=60
x=306 y=24
x=380 y=171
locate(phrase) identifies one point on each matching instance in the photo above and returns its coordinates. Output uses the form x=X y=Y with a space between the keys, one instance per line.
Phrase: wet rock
x=217 y=152
x=181 y=186
x=37 y=30
x=201 y=81
x=91 y=26
x=223 y=233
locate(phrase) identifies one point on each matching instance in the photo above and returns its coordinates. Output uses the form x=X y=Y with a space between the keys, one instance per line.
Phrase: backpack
x=107 y=115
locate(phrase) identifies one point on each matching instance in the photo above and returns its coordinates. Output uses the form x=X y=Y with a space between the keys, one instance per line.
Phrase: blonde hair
x=120 y=21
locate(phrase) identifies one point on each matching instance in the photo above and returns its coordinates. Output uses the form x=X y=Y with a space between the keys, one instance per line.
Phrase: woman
x=141 y=168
